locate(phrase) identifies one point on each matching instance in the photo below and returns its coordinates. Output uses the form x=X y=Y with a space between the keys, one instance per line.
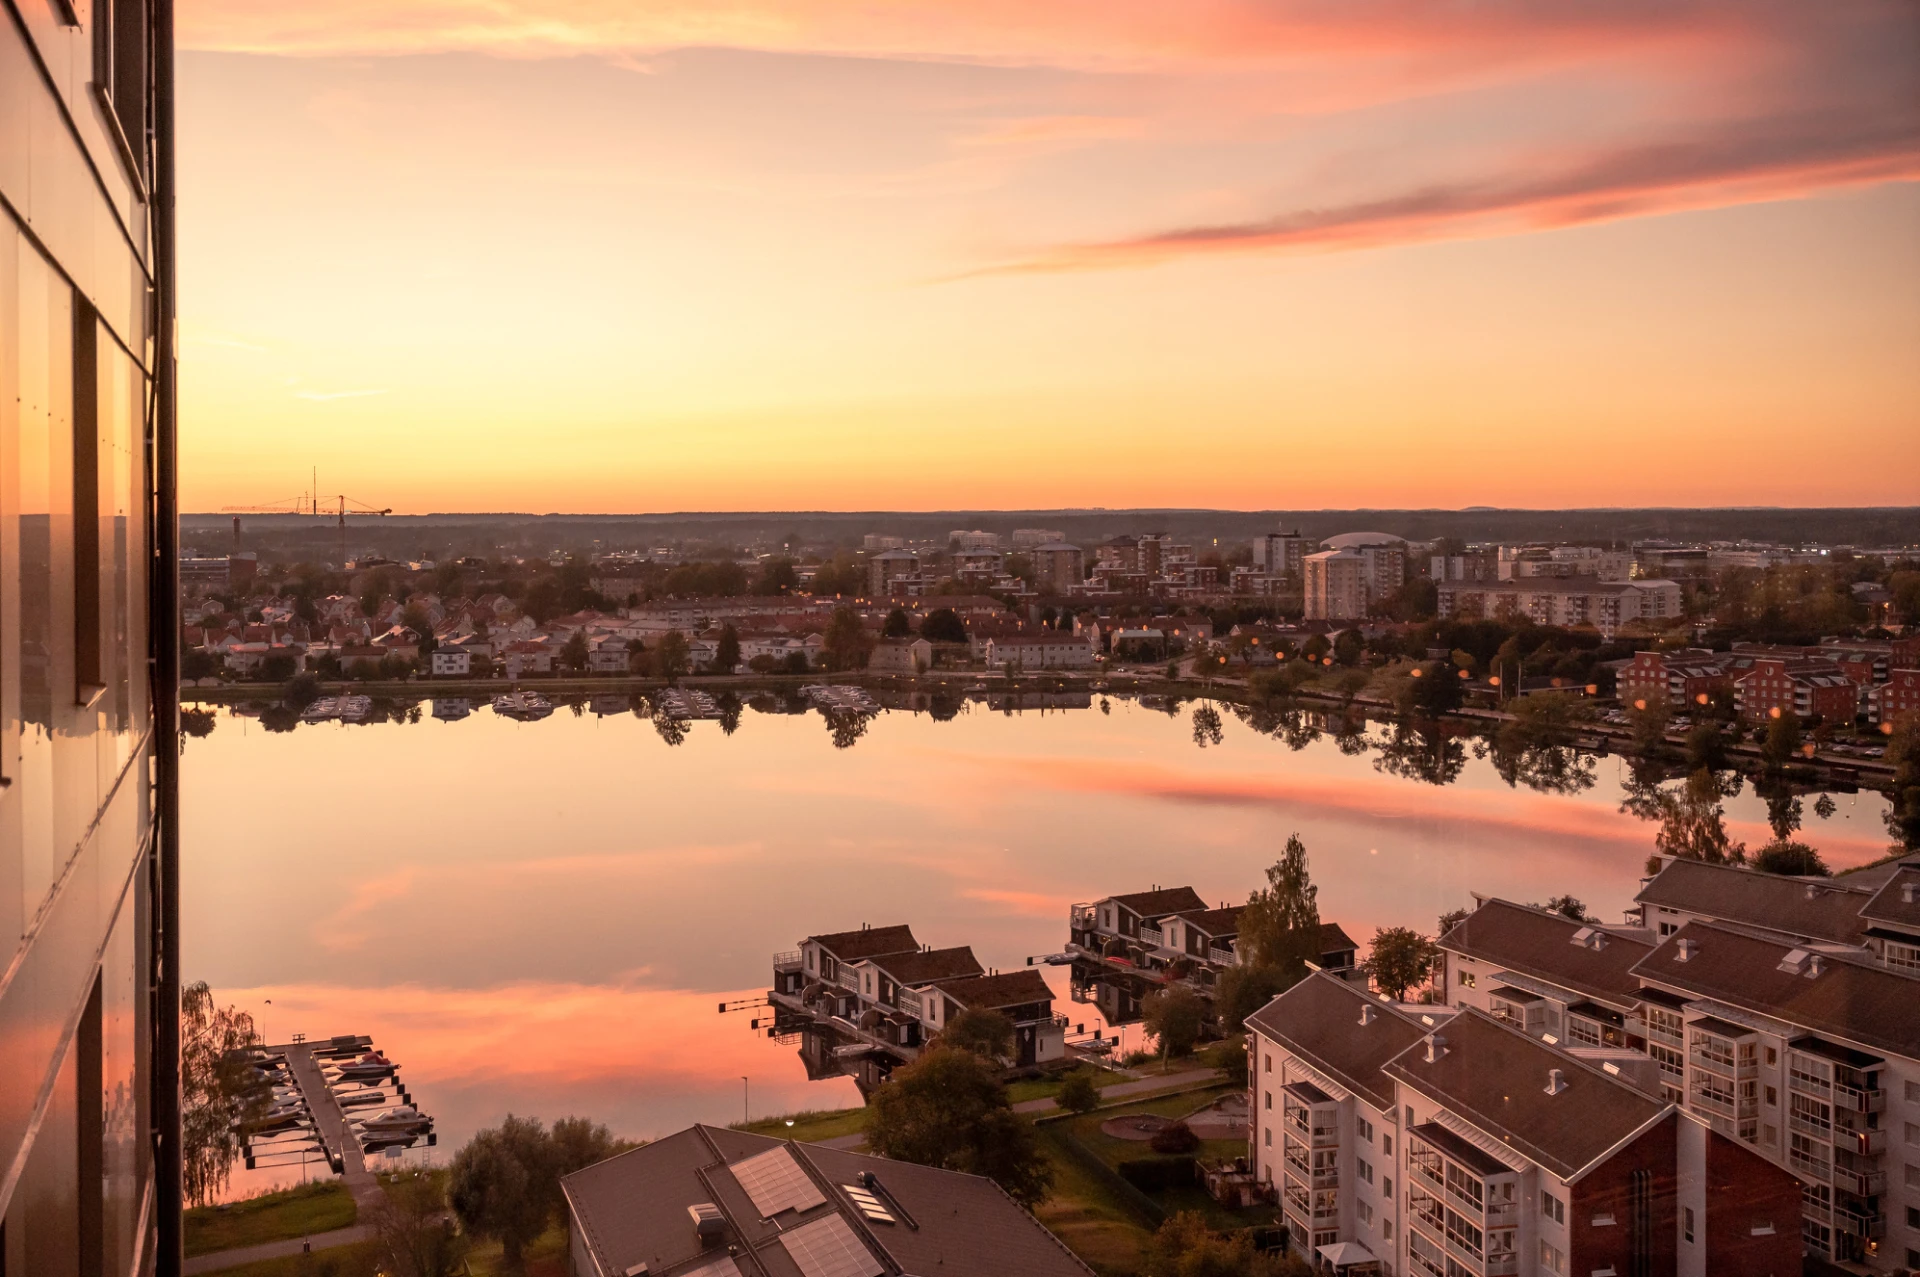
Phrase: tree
x=197 y=663
x=1175 y=1015
x=948 y=1109
x=777 y=577
x=1568 y=907
x=1783 y=741
x=943 y=625
x=1184 y=1246
x=1078 y=1094
x=846 y=643
x=574 y=654
x=673 y=657
x=1436 y=690
x=1243 y=989
x=1449 y=920
x=1281 y=924
x=897 y=625
x=1399 y=959
x=1647 y=722
x=1692 y=822
x=219 y=1090
x=1903 y=808
x=1174 y=1138
x=985 y=1033
x=1786 y=856
x=726 y=656
x=411 y=1226
x=502 y=1185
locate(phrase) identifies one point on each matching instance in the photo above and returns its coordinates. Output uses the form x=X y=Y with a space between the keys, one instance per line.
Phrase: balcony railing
x=1222 y=956
x=1856 y=1099
x=1153 y=936
x=1858 y=1222
x=847 y=978
x=908 y=1000
x=1859 y=1182
x=787 y=961
x=1812 y=1167
x=1704 y=1103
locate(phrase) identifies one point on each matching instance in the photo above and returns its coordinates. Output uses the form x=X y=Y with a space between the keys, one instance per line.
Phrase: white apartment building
x=1058 y=566
x=1581 y=601
x=1336 y=585
x=1040 y=649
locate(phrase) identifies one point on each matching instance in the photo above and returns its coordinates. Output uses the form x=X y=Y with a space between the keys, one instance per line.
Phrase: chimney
x=1815 y=965
x=1436 y=1047
x=1367 y=1014
x=1556 y=1081
x=1683 y=950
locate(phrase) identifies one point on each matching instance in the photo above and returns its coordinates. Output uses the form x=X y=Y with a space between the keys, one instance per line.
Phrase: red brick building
x=1672 y=678
x=1896 y=698
x=1767 y=687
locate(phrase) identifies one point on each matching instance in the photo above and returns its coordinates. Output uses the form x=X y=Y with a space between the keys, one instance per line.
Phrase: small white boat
x=327 y=707
x=402 y=1120
x=355 y=709
x=525 y=705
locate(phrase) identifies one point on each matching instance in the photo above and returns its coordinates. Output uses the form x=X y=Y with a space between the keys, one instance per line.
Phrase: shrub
x=1152 y=1174
x=1177 y=1138
x=1078 y=1094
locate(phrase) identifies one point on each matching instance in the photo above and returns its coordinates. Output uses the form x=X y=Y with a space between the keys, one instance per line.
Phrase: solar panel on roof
x=775 y=1182
x=869 y=1205
x=828 y=1248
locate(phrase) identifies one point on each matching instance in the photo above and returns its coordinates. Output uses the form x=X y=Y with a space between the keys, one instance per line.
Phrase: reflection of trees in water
x=195 y=721
x=1206 y=726
x=1784 y=810
x=1106 y=706
x=1423 y=751
x=672 y=730
x=1692 y=820
x=729 y=706
x=1554 y=768
x=279 y=718
x=846 y=726
x=1350 y=734
x=943 y=707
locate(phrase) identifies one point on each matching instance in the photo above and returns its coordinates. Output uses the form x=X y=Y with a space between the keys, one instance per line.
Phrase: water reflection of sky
x=541 y=917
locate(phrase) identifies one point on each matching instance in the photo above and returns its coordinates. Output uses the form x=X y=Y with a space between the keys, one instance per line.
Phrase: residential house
x=526 y=656
x=1040 y=649
x=1024 y=997
x=901 y=656
x=452 y=662
x=710 y=1202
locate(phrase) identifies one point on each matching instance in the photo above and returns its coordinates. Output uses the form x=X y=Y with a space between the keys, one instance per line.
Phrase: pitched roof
x=1896 y=906
x=1334 y=938
x=1009 y=989
x=927 y=965
x=1495 y=1078
x=1816 y=909
x=1539 y=943
x=632 y=1209
x=867 y=942
x=1214 y=922
x=1162 y=901
x=1852 y=1000
x=1318 y=1019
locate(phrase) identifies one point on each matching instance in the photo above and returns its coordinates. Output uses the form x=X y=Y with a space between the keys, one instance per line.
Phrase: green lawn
x=1045 y=1088
x=810 y=1126
x=296 y=1212
x=1083 y=1212
x=358 y=1260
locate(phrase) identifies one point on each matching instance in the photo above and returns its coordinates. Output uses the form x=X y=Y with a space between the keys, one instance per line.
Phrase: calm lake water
x=542 y=916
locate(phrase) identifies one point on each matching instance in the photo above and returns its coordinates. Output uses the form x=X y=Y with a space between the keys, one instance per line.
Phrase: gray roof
x=632 y=1209
x=1539 y=943
x=1162 y=901
x=1008 y=989
x=1318 y=1020
x=1495 y=1078
x=1811 y=908
x=927 y=965
x=1887 y=910
x=1851 y=1000
x=868 y=942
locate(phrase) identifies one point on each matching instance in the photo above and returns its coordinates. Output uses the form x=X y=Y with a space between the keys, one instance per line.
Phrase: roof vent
x=1683 y=950
x=1589 y=938
x=1367 y=1014
x=1436 y=1047
x=1815 y=965
x=1813 y=891
x=1795 y=963
x=708 y=1222
x=1556 y=1081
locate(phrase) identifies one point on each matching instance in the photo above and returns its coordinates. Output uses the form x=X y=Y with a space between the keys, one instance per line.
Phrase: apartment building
x=89 y=637
x=1337 y=585
x=1040 y=649
x=1280 y=553
x=1057 y=566
x=1767 y=687
x=1894 y=699
x=1447 y=1143
x=893 y=572
x=1673 y=679
x=1605 y=605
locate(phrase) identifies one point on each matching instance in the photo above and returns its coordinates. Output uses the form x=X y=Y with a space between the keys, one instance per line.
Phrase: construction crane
x=340 y=506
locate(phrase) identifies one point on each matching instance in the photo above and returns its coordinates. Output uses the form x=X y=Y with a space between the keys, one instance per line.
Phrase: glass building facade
x=88 y=993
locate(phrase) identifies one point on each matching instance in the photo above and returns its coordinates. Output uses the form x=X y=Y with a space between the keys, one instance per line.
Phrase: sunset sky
x=637 y=255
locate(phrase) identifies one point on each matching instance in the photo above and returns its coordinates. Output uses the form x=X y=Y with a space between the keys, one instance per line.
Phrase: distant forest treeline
x=283 y=537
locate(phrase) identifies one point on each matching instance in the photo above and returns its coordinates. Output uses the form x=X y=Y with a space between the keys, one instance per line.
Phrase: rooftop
x=1896 y=906
x=1851 y=1000
x=781 y=1206
x=927 y=965
x=1009 y=989
x=867 y=942
x=1540 y=944
x=1496 y=1079
x=1320 y=1020
x=1162 y=901
x=1810 y=908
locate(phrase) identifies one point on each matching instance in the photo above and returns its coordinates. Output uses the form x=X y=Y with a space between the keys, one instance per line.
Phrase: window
x=1466 y=979
x=1269 y=1133
x=1913 y=1135
x=1269 y=1063
x=1913 y=1092
x=1409 y=1115
x=1906 y=957
x=1363 y=1128
x=88 y=679
x=1603 y=1219
x=1386 y=1144
x=1386 y=1187
x=1913 y=1217
x=1553 y=1208
x=1269 y=1099
x=1773 y=1098
x=1552 y=1260
x=1773 y=1057
x=1365 y=1212
x=1686 y=1223
x=1365 y=1168
x=1386 y=1230
x=1913 y=1175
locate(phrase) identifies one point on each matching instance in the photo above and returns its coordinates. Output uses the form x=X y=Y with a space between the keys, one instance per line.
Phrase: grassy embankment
x=295 y=1212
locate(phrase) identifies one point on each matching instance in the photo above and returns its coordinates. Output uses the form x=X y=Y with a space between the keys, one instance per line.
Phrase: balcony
x=787 y=961
x=848 y=979
x=1808 y=1124
x=908 y=1000
x=1702 y=1102
x=1221 y=957
x=1724 y=1067
x=1859 y=1222
x=1083 y=917
x=1811 y=1167
x=1854 y=1099
x=1153 y=936
x=1861 y=1181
